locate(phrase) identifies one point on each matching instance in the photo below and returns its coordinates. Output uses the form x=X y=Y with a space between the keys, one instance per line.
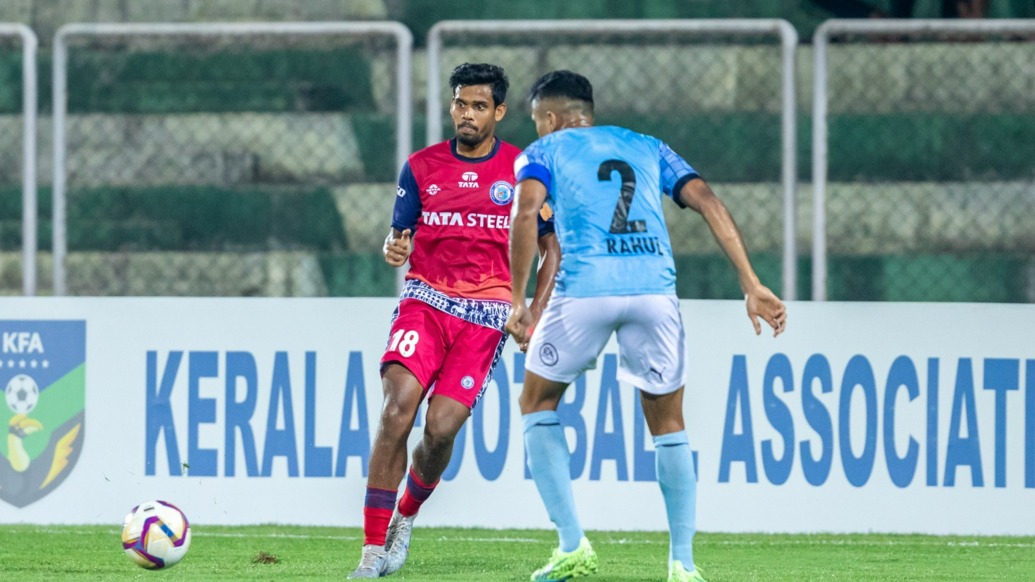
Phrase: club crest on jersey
x=501 y=193
x=470 y=180
x=433 y=189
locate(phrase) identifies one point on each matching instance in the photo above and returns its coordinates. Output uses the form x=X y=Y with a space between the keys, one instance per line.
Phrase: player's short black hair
x=482 y=74
x=563 y=84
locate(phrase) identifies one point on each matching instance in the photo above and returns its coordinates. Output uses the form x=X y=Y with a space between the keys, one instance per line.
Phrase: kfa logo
x=22 y=342
x=43 y=378
x=470 y=180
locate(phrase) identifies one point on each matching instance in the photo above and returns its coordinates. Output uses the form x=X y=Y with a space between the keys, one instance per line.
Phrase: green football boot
x=582 y=561
x=677 y=573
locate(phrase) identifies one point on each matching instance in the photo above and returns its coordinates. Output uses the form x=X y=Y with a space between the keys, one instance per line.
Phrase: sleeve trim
x=678 y=188
x=534 y=171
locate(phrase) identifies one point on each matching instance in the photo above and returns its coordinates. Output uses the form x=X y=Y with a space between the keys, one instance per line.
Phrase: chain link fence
x=259 y=164
x=715 y=97
x=231 y=162
x=12 y=129
x=18 y=90
x=930 y=193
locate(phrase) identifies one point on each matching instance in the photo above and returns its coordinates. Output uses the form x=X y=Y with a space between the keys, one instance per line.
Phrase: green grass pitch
x=92 y=553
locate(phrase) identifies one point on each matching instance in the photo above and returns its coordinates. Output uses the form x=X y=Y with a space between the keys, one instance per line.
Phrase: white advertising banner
x=862 y=417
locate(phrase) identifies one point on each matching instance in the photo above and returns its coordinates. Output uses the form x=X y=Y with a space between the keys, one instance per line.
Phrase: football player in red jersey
x=452 y=221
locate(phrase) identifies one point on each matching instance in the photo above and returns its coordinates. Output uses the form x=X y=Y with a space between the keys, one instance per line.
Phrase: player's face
x=474 y=114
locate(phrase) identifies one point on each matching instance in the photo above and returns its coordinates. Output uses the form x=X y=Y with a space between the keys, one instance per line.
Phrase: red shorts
x=454 y=356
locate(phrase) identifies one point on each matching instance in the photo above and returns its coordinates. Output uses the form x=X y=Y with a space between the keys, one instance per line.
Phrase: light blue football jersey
x=605 y=186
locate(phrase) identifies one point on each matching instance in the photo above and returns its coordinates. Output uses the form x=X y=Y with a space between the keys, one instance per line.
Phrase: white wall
x=747 y=480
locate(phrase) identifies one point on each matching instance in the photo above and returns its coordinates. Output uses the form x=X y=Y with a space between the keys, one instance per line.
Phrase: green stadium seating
x=184 y=218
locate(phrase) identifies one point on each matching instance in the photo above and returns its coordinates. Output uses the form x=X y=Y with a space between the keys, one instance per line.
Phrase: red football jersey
x=459 y=210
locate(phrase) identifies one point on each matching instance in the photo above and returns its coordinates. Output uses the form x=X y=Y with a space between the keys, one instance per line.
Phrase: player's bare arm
x=549 y=263
x=398 y=246
x=761 y=302
x=524 y=231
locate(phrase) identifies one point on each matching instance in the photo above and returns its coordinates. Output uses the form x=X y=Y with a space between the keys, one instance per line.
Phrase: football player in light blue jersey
x=605 y=186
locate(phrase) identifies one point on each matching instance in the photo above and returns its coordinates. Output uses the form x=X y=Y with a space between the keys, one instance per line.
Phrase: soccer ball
x=22 y=394
x=156 y=535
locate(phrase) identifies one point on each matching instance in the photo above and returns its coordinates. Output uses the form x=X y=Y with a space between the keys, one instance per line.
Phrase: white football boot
x=398 y=542
x=372 y=564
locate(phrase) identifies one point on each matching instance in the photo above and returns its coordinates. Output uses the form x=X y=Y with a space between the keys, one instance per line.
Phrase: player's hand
x=397 y=250
x=537 y=313
x=519 y=324
x=761 y=302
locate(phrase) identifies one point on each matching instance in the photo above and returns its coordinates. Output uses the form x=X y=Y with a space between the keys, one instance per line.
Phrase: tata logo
x=433 y=189
x=470 y=180
x=42 y=406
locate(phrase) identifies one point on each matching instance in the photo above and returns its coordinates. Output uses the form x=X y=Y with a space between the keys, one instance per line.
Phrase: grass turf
x=87 y=553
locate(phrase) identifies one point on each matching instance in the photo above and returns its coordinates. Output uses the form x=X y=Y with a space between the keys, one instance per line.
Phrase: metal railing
x=643 y=31
x=29 y=92
x=962 y=95
x=403 y=130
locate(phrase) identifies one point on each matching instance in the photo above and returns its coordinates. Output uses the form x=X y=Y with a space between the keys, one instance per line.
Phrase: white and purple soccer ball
x=156 y=535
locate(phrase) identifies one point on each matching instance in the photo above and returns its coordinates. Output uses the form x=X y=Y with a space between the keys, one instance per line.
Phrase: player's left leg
x=549 y=461
x=431 y=456
x=653 y=358
x=566 y=343
x=466 y=371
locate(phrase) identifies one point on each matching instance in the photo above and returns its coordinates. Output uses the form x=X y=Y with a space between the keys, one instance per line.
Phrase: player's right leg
x=413 y=356
x=403 y=395
x=676 y=476
x=652 y=343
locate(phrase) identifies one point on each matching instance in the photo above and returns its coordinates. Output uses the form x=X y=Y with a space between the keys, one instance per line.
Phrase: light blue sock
x=678 y=482
x=549 y=462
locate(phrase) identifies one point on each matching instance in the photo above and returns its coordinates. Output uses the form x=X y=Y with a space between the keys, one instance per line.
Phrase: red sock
x=417 y=492
x=377 y=514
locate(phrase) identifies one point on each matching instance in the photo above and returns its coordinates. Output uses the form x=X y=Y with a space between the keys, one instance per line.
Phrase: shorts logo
x=467 y=382
x=659 y=376
x=43 y=384
x=548 y=354
x=501 y=193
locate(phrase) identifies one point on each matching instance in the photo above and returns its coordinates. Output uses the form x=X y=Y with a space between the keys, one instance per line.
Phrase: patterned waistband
x=486 y=313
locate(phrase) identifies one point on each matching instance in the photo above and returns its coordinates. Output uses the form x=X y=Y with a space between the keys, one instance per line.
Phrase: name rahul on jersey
x=637 y=245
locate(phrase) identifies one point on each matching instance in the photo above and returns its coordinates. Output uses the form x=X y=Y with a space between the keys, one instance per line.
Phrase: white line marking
x=600 y=541
x=492 y=540
x=275 y=536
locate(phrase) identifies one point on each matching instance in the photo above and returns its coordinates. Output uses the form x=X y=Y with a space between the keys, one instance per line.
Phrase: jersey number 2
x=620 y=223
